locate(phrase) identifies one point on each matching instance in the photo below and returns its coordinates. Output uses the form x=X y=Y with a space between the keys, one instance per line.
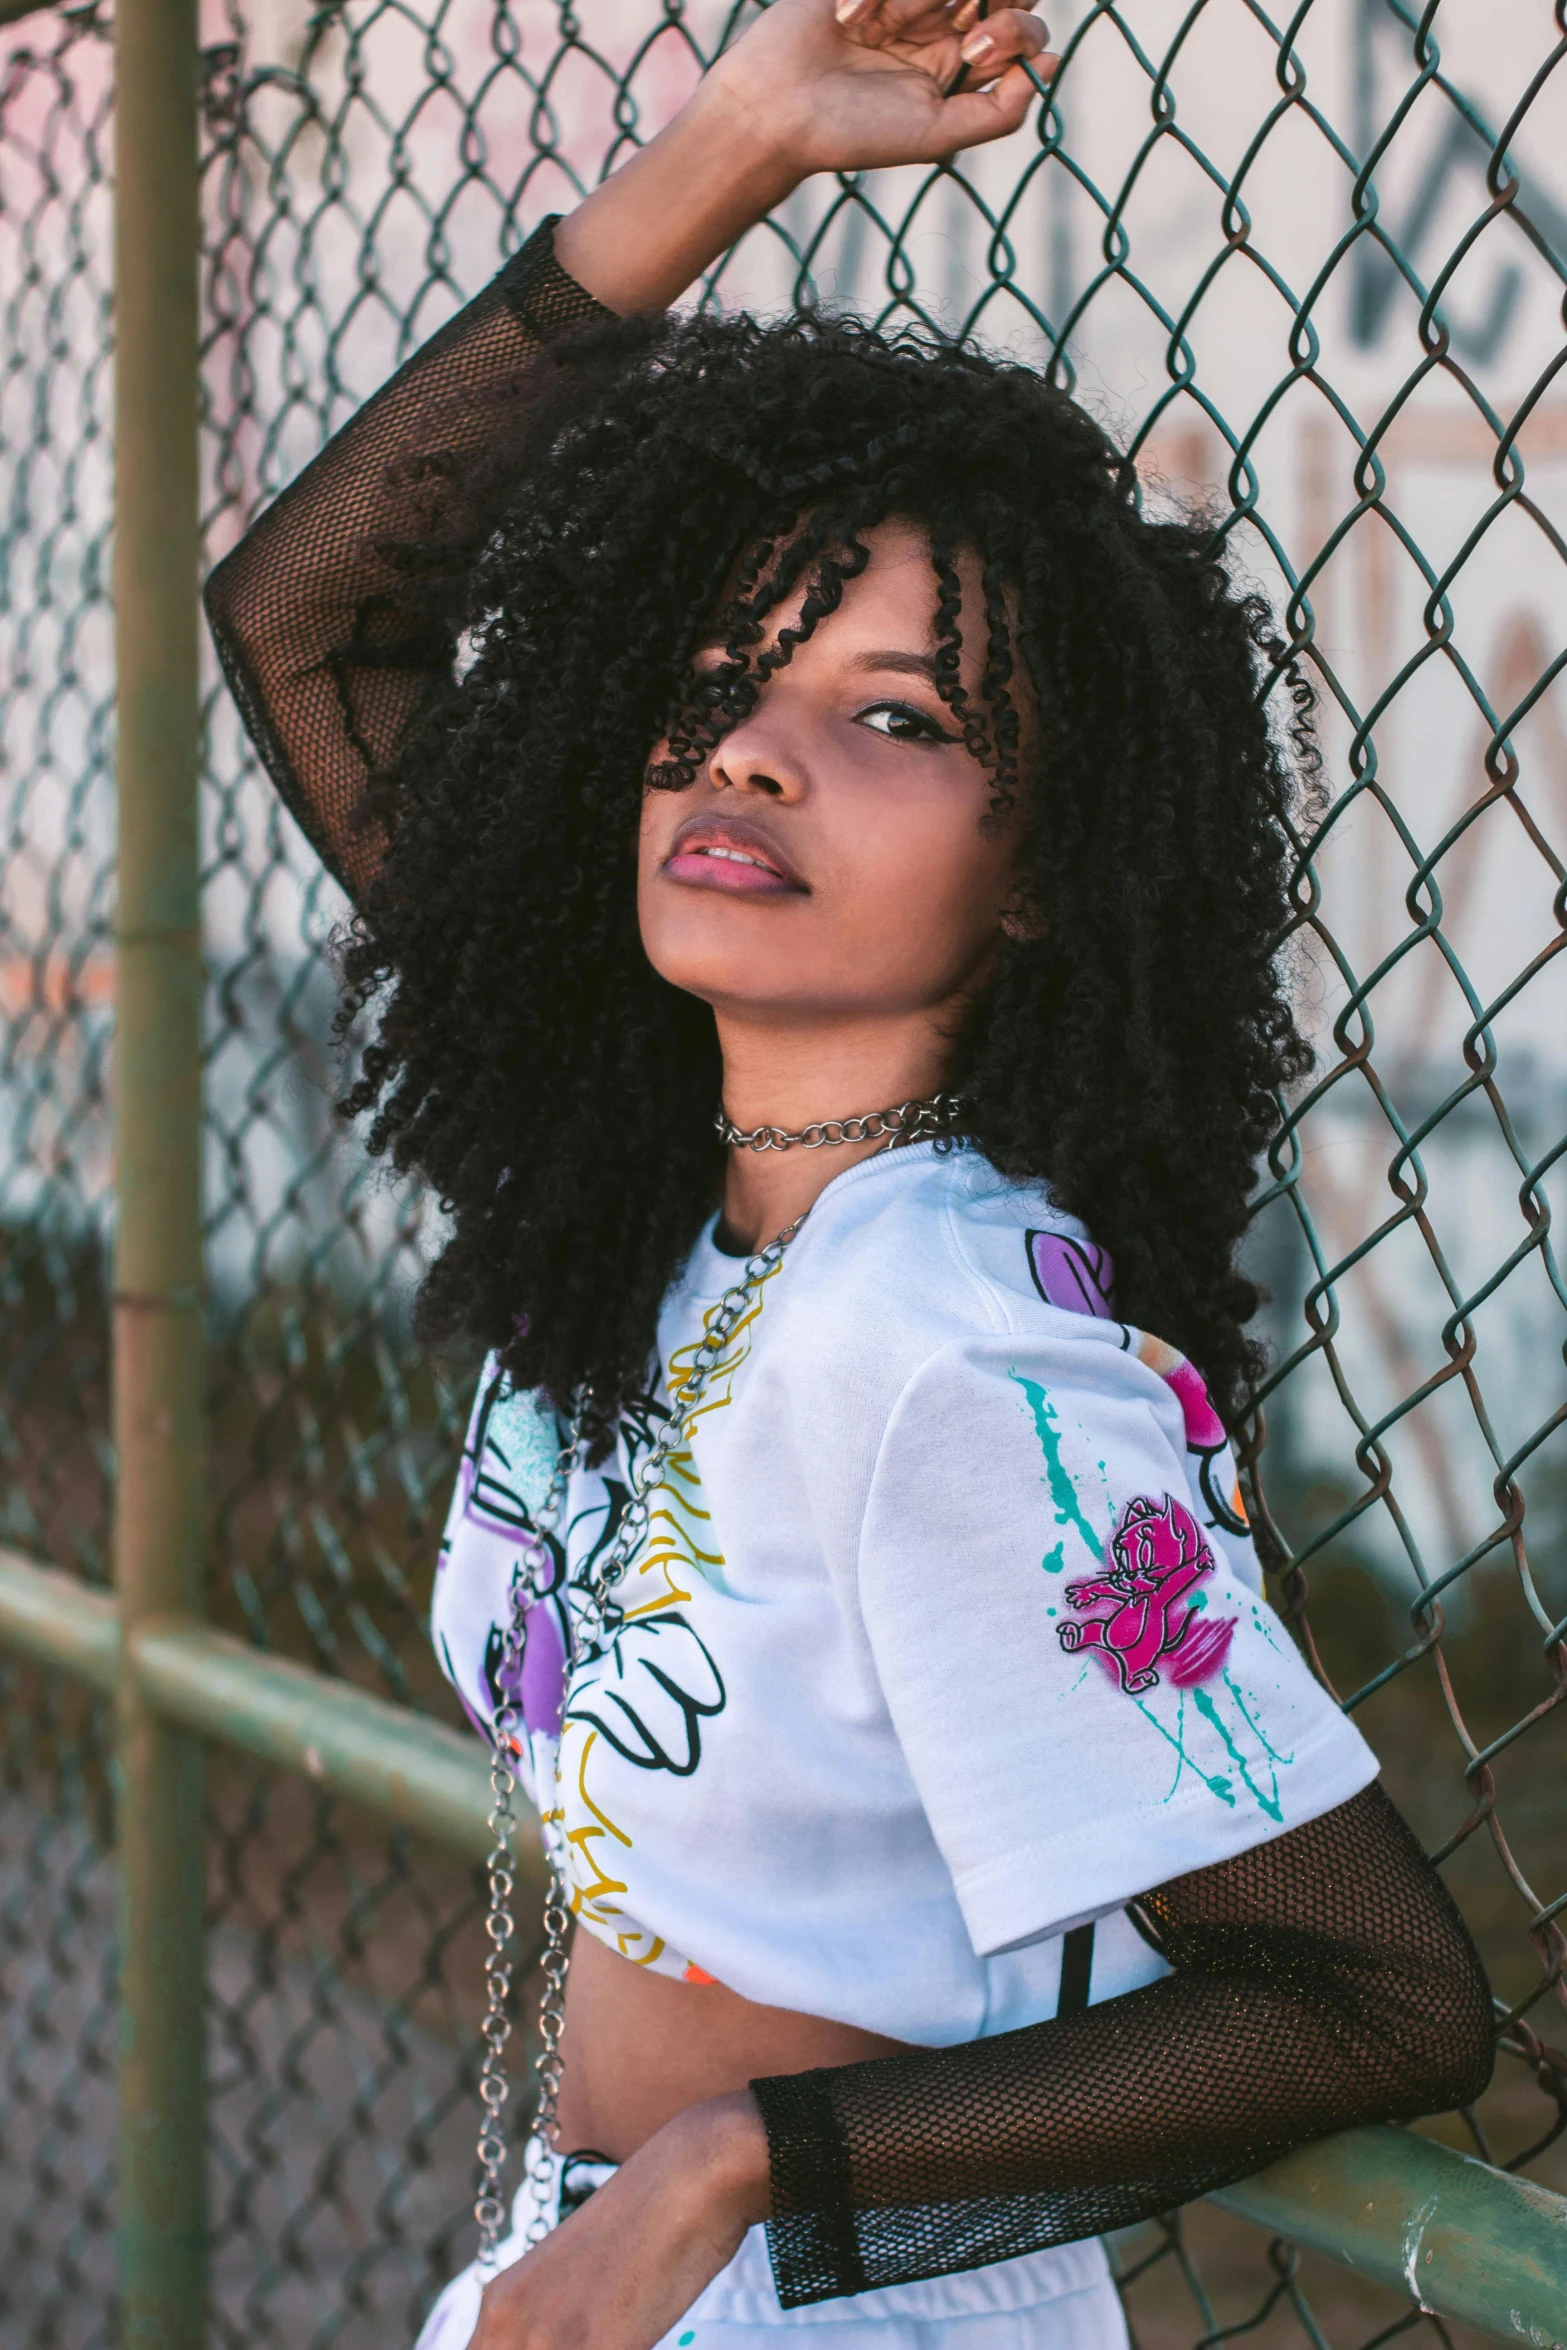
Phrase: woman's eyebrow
x=905 y=664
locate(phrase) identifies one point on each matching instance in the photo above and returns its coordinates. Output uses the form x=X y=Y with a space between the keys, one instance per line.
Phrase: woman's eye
x=898 y=723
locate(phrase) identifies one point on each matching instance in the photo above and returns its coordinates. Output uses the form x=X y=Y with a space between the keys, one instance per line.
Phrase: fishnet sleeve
x=330 y=664
x=1321 y=1980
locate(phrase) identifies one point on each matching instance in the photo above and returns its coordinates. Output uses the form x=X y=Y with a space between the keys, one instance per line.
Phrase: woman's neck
x=787 y=1076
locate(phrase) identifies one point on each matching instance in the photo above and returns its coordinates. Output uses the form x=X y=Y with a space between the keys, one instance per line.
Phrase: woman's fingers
x=970 y=117
x=886 y=20
x=990 y=39
x=1006 y=37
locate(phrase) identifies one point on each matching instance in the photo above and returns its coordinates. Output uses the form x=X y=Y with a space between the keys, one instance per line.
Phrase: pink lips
x=732 y=856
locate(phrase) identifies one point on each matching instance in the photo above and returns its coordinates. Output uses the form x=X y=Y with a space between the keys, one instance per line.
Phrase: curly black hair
x=667 y=479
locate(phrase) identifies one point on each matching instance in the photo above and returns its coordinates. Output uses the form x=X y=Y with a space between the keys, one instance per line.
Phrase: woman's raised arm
x=331 y=665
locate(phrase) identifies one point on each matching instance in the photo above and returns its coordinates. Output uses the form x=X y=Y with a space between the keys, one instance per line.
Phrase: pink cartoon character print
x=1205 y=1437
x=1143 y=1610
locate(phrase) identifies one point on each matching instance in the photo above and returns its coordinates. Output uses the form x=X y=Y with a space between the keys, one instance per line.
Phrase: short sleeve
x=1091 y=1694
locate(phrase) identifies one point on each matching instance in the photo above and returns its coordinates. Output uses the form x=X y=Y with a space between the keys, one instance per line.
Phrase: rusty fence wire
x=1311 y=269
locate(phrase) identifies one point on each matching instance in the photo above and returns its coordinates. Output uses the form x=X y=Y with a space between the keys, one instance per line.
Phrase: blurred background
x=1310 y=272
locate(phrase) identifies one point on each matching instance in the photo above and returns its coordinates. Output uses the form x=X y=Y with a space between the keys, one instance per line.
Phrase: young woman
x=802 y=729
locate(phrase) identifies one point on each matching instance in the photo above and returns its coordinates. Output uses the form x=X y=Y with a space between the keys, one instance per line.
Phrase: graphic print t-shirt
x=946 y=1636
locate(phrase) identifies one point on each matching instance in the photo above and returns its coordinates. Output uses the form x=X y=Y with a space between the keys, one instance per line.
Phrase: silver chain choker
x=937 y=1114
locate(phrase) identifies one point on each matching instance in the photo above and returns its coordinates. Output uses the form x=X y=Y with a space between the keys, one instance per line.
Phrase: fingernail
x=850 y=11
x=977 y=48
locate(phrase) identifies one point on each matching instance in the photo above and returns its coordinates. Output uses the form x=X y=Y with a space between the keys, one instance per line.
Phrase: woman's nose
x=757 y=756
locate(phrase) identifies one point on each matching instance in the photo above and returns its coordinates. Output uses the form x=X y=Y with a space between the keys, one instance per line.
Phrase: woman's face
x=831 y=859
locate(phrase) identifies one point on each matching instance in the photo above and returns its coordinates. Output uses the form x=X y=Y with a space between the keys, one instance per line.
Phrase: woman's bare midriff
x=639 y=2048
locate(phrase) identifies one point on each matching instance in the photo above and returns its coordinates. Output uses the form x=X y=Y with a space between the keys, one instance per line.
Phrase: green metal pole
x=157 y=1311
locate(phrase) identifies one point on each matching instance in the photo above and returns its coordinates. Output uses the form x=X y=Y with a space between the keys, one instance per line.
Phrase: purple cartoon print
x=538 y=1688
x=490 y=1507
x=1072 y=1274
x=1142 y=1610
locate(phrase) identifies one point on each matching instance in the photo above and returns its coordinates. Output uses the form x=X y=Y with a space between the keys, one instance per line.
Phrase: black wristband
x=811 y=2237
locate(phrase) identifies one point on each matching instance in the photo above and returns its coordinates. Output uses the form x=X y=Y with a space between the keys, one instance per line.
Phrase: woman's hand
x=859 y=84
x=814 y=85
x=618 y=2273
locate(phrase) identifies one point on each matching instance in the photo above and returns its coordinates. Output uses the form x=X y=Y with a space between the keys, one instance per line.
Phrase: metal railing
x=1313 y=271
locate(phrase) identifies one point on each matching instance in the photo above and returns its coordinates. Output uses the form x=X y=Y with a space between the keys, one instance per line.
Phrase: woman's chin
x=751 y=986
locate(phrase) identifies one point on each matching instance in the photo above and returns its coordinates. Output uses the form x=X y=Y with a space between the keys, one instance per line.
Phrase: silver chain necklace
x=589 y=1626
x=917 y=1121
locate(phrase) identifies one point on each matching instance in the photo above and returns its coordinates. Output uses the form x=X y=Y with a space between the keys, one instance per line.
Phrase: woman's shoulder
x=913 y=1252
x=909 y=1259
x=953 y=1285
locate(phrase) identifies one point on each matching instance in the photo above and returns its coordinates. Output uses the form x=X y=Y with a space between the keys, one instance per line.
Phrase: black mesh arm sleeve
x=1320 y=1980
x=331 y=665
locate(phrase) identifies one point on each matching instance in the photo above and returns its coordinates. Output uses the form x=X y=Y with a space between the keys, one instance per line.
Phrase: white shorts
x=1057 y=2300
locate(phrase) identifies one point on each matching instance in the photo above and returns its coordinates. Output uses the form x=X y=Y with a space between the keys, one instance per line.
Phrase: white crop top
x=947 y=1635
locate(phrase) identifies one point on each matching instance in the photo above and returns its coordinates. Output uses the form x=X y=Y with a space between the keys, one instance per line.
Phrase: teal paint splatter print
x=1063 y=1493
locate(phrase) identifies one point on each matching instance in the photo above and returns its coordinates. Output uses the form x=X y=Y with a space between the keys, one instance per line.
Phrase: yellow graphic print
x=679 y=1552
x=594 y=1890
x=680 y=1543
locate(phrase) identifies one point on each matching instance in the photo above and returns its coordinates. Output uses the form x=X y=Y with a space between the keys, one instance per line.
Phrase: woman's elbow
x=1444 y=2032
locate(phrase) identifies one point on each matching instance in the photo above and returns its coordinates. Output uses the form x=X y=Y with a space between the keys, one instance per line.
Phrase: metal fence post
x=158 y=1302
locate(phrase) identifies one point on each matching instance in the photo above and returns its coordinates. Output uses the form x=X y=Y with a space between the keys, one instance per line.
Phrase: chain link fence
x=1311 y=271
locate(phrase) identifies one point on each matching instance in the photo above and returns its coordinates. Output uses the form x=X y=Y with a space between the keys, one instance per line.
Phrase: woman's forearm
x=681 y=201
x=1321 y=1980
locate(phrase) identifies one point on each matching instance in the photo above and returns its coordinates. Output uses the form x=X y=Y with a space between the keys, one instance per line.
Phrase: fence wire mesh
x=1312 y=272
